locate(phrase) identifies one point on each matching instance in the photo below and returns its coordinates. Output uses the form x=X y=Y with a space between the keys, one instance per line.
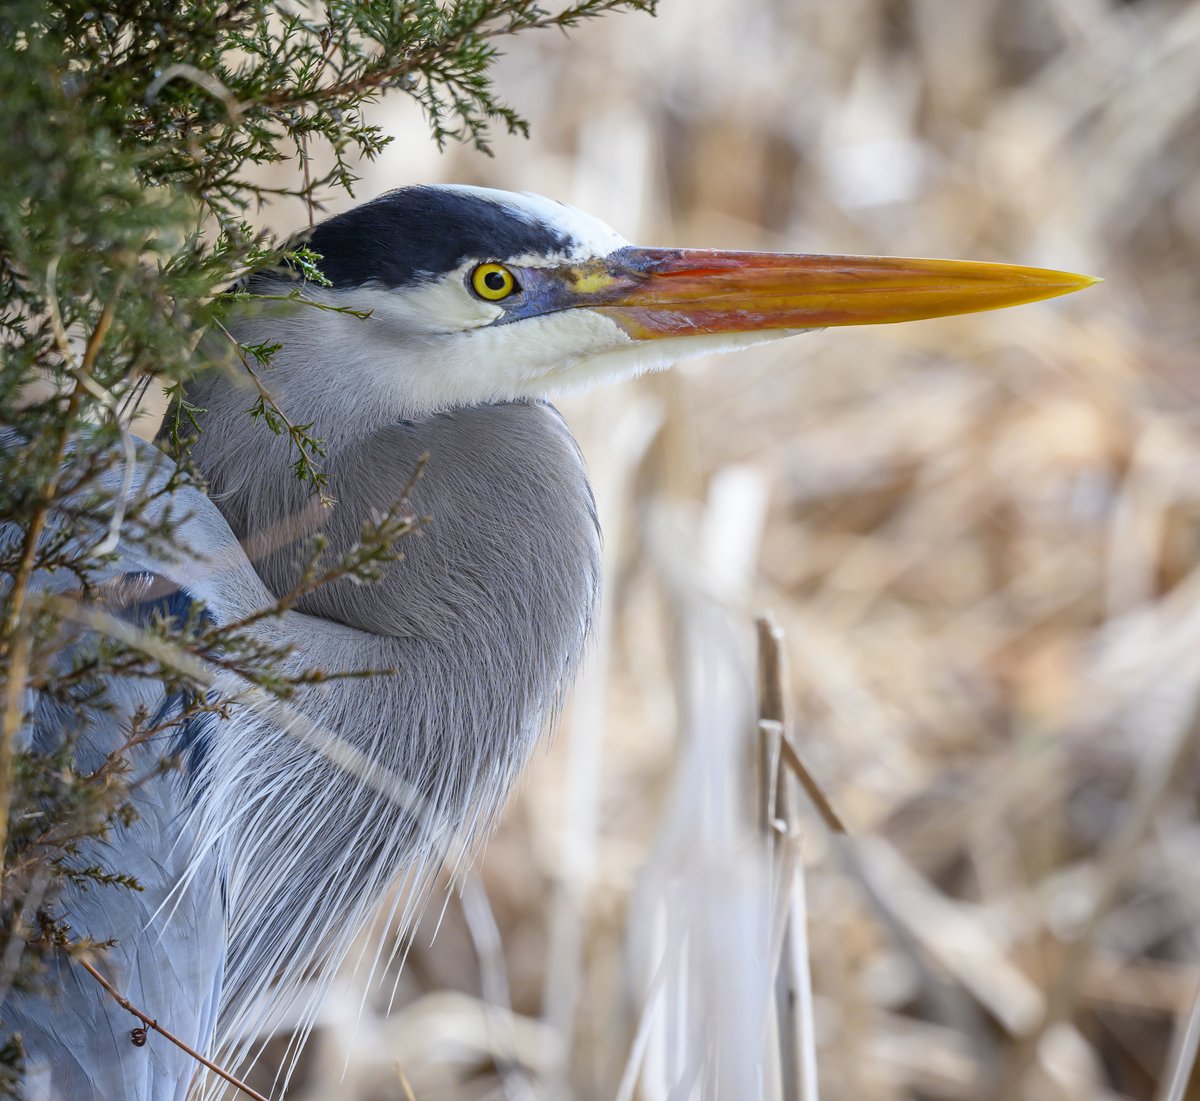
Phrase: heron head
x=477 y=295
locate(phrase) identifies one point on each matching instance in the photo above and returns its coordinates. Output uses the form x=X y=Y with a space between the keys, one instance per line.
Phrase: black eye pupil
x=495 y=281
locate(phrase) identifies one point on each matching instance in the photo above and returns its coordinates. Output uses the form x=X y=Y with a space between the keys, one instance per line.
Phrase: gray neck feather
x=484 y=620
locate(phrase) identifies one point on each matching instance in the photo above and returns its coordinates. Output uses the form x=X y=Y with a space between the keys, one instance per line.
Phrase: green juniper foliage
x=130 y=129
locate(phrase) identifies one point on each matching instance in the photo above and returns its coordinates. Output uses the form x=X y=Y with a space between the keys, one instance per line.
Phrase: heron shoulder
x=510 y=526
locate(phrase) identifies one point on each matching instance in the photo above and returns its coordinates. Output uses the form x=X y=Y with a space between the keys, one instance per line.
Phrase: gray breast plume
x=483 y=622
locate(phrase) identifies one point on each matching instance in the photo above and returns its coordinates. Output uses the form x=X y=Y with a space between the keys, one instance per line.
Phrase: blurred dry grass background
x=980 y=537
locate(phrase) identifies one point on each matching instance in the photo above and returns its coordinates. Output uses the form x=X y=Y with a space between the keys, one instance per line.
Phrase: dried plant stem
x=790 y=756
x=150 y=1022
x=793 y=982
x=771 y=681
x=667 y=965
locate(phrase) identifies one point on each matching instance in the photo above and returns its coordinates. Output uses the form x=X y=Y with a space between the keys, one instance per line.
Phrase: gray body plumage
x=266 y=846
x=482 y=621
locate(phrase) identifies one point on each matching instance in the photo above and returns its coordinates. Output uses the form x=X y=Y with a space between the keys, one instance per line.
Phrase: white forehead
x=588 y=235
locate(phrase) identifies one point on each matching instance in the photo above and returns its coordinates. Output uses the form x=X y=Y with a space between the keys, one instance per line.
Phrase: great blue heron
x=262 y=859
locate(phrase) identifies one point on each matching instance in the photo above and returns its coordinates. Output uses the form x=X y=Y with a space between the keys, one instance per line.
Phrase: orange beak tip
x=1076 y=281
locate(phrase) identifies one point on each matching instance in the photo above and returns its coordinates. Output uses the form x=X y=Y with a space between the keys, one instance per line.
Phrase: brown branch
x=150 y=1022
x=368 y=82
x=92 y=351
x=16 y=642
x=413 y=62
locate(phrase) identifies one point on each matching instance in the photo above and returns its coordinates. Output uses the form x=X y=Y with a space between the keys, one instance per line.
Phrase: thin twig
x=150 y=1022
x=772 y=714
x=791 y=757
x=296 y=433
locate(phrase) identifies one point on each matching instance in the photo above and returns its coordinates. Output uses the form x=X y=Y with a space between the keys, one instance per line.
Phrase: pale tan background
x=980 y=536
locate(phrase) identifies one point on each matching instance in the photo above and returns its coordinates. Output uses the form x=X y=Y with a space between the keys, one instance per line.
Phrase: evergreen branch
x=133 y=129
x=467 y=24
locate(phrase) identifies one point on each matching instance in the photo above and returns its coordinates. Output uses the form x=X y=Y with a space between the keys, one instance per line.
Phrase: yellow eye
x=493 y=282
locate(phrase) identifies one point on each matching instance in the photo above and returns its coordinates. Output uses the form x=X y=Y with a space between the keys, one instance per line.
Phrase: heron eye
x=493 y=282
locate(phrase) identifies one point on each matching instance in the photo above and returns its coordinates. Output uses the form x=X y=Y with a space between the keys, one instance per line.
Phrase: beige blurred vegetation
x=980 y=537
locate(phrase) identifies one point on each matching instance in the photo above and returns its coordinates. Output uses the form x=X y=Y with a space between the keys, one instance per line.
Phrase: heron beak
x=654 y=293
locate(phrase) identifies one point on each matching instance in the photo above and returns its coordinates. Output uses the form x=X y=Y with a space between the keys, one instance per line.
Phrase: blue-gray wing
x=170 y=936
x=170 y=949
